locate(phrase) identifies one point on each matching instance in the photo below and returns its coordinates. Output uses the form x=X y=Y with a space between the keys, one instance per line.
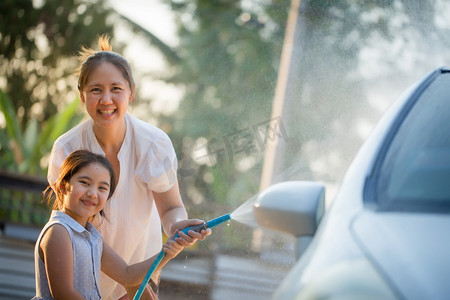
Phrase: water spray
x=196 y=228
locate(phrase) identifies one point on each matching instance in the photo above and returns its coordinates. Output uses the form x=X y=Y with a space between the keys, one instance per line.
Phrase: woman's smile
x=106 y=95
x=107 y=112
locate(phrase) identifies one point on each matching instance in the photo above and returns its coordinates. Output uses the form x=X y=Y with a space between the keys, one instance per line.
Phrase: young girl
x=70 y=252
x=147 y=196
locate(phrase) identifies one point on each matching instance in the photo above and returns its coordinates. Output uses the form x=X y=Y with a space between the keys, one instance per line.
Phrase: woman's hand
x=189 y=239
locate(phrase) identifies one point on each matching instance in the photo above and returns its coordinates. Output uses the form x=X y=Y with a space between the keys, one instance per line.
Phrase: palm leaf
x=12 y=125
x=53 y=128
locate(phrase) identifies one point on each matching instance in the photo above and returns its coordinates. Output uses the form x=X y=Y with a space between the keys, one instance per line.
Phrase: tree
x=37 y=46
x=38 y=43
x=229 y=54
x=33 y=143
x=229 y=59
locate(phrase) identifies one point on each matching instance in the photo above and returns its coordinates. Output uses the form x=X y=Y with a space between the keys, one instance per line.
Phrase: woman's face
x=106 y=95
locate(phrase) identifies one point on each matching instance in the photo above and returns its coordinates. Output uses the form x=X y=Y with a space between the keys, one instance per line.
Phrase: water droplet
x=184 y=267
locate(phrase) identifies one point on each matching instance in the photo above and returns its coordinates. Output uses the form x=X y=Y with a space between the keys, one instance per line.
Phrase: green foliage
x=229 y=53
x=38 y=43
x=38 y=40
x=226 y=63
x=29 y=146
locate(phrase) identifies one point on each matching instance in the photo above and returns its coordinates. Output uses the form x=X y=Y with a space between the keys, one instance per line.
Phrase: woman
x=143 y=159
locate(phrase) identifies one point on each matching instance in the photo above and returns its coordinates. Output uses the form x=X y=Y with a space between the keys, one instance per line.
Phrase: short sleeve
x=74 y=139
x=158 y=164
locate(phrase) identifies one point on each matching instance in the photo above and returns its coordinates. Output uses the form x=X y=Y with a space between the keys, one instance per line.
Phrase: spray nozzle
x=218 y=220
x=206 y=225
x=196 y=228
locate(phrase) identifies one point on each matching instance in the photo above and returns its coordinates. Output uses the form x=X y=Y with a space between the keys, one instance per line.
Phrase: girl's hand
x=189 y=239
x=172 y=247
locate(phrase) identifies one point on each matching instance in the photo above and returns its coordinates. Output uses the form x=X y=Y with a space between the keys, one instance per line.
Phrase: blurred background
x=208 y=73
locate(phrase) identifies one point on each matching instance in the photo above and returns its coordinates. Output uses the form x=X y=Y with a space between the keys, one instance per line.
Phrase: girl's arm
x=56 y=251
x=174 y=216
x=130 y=276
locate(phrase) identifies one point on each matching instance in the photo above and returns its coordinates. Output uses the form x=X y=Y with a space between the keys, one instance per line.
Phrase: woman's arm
x=174 y=216
x=170 y=207
x=116 y=268
x=56 y=251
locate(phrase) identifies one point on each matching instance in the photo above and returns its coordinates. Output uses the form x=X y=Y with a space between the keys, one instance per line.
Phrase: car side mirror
x=293 y=207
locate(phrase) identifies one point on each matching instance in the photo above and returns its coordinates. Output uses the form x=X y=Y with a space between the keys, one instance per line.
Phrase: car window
x=415 y=171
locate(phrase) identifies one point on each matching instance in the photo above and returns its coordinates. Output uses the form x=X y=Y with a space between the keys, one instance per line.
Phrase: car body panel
x=345 y=230
x=348 y=280
x=403 y=247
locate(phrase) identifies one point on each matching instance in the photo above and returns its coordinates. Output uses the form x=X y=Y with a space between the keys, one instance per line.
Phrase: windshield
x=415 y=172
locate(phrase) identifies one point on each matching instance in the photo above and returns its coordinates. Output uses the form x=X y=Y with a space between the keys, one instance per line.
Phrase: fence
x=21 y=200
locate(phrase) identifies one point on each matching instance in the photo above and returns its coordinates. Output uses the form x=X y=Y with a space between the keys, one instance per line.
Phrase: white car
x=387 y=232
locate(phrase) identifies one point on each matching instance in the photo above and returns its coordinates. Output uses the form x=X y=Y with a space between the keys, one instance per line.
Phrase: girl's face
x=86 y=193
x=106 y=95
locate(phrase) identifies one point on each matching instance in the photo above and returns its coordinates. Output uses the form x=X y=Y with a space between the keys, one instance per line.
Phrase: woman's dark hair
x=90 y=59
x=71 y=165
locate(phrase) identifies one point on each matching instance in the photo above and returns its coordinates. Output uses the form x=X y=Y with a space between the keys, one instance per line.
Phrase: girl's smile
x=86 y=192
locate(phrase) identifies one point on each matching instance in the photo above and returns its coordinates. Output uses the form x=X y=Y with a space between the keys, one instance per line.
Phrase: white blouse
x=147 y=163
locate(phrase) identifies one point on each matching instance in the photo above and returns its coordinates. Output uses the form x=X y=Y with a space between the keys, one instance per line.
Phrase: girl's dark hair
x=71 y=165
x=90 y=59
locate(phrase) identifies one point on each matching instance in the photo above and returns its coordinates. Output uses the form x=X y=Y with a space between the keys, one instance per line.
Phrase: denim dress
x=87 y=248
